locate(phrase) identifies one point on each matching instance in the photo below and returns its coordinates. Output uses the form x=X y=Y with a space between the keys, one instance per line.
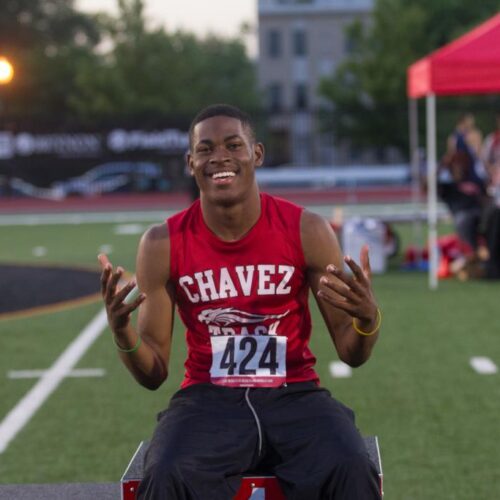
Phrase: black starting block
x=253 y=487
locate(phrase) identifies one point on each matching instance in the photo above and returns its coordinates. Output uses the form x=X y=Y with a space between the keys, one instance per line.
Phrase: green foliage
x=161 y=74
x=150 y=74
x=28 y=24
x=368 y=90
x=135 y=74
x=45 y=40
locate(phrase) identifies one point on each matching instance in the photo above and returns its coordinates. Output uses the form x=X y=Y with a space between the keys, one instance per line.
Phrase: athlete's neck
x=231 y=222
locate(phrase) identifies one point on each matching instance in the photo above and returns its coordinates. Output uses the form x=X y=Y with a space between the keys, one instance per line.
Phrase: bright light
x=6 y=71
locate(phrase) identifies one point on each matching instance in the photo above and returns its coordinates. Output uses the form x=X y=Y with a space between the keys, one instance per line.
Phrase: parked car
x=119 y=176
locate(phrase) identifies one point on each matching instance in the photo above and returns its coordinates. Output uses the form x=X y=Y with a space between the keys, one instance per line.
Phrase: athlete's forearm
x=140 y=359
x=352 y=347
x=358 y=348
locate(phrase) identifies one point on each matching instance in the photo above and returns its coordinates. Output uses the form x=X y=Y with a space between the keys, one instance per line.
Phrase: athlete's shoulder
x=156 y=237
x=316 y=231
x=153 y=255
x=319 y=240
x=313 y=224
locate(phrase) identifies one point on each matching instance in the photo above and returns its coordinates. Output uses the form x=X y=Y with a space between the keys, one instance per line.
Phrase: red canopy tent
x=468 y=65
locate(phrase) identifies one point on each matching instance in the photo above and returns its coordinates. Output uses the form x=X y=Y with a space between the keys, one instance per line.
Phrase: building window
x=274 y=44
x=299 y=43
x=350 y=45
x=275 y=97
x=301 y=96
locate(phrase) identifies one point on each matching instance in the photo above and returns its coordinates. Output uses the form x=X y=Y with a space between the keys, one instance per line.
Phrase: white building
x=300 y=42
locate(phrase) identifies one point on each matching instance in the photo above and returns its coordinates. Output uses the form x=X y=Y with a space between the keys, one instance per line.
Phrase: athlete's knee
x=162 y=480
x=356 y=463
x=338 y=479
x=355 y=477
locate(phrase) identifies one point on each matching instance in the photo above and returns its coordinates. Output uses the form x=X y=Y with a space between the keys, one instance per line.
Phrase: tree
x=150 y=74
x=44 y=39
x=368 y=91
x=100 y=69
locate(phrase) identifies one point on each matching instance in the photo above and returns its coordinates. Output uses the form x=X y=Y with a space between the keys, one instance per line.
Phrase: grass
x=437 y=420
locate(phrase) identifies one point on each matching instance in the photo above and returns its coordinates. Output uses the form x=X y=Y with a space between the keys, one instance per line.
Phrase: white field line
x=83 y=218
x=20 y=415
x=390 y=211
x=127 y=229
x=338 y=369
x=77 y=373
x=483 y=365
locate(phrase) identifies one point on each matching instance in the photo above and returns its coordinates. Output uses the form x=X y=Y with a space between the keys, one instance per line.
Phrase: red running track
x=177 y=201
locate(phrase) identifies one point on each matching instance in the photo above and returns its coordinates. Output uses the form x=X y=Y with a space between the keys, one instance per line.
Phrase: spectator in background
x=467 y=139
x=464 y=201
x=470 y=186
x=491 y=159
x=462 y=186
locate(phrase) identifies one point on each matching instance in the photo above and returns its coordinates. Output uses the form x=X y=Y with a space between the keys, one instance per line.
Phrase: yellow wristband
x=377 y=326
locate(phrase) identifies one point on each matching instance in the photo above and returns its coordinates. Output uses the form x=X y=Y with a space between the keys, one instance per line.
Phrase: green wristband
x=132 y=349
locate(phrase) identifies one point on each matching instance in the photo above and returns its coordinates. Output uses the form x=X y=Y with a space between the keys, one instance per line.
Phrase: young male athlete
x=239 y=264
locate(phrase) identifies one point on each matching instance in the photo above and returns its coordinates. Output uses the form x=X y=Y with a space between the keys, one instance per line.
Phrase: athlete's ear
x=258 y=151
x=189 y=163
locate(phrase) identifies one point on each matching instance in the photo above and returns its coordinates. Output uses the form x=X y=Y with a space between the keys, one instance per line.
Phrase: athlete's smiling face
x=223 y=158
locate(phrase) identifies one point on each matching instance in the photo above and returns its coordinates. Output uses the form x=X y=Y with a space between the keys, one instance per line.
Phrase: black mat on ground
x=69 y=491
x=24 y=287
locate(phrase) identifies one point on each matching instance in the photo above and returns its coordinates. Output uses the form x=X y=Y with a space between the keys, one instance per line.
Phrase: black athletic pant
x=493 y=241
x=210 y=435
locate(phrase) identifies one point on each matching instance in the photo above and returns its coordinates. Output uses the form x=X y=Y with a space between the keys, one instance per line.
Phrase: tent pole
x=432 y=190
x=414 y=168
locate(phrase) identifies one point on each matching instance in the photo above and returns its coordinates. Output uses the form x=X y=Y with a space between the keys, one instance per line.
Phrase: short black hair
x=222 y=110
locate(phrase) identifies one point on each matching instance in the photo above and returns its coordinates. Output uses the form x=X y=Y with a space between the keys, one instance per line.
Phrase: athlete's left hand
x=352 y=292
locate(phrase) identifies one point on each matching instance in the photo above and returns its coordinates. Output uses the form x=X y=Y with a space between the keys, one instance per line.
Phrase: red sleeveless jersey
x=244 y=303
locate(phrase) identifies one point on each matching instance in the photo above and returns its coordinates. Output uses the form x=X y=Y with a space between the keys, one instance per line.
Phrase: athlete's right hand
x=114 y=297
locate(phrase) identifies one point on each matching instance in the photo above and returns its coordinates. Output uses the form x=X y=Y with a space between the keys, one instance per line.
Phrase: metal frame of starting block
x=253 y=487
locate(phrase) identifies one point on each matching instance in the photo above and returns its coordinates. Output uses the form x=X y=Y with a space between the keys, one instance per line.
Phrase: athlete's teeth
x=223 y=174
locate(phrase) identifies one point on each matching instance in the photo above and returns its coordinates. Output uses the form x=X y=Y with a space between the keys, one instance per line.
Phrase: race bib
x=248 y=360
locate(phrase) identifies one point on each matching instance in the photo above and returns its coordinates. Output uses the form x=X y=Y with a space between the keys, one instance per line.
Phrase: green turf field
x=436 y=418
